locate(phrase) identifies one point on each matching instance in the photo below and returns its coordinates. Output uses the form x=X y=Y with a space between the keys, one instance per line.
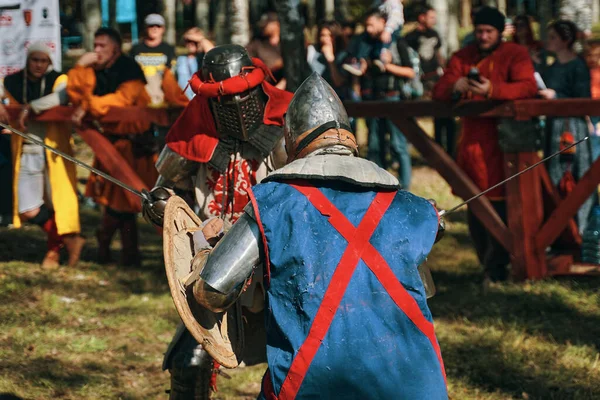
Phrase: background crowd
x=380 y=57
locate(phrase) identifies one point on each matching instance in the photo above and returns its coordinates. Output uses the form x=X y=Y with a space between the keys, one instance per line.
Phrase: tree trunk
x=465 y=13
x=239 y=17
x=329 y=9
x=520 y=7
x=292 y=42
x=112 y=14
x=170 y=18
x=595 y=11
x=92 y=21
x=342 y=12
x=319 y=10
x=221 y=26
x=545 y=9
x=502 y=6
x=202 y=10
x=180 y=20
x=447 y=24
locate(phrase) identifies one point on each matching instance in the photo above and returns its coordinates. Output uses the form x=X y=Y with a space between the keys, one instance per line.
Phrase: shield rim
x=225 y=356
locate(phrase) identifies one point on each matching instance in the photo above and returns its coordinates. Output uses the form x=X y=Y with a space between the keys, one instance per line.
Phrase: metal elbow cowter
x=173 y=167
x=212 y=299
x=224 y=272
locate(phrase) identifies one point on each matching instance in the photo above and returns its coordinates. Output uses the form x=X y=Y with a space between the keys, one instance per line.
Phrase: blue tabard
x=371 y=349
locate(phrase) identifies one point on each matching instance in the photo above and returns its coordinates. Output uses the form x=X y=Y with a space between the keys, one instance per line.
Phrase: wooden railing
x=537 y=215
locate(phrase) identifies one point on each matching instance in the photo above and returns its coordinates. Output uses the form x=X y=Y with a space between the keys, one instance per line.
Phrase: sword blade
x=453 y=209
x=36 y=140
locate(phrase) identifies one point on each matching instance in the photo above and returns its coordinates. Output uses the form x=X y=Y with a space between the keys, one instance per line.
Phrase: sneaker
x=354 y=69
x=379 y=64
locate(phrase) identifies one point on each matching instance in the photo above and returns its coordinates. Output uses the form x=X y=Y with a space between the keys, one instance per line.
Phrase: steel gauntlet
x=154 y=203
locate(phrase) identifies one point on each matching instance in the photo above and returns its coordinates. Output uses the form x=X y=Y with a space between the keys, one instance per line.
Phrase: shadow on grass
x=545 y=313
x=25 y=245
x=9 y=396
x=28 y=245
x=484 y=363
x=40 y=370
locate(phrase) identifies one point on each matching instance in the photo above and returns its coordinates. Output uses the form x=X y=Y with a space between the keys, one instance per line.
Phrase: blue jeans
x=378 y=127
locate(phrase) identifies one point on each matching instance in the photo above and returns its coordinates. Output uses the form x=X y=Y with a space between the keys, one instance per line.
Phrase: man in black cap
x=505 y=72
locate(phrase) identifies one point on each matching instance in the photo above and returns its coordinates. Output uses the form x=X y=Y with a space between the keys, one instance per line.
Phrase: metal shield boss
x=221 y=334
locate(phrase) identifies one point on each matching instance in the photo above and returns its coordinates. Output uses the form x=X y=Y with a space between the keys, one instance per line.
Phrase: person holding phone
x=487 y=69
x=103 y=79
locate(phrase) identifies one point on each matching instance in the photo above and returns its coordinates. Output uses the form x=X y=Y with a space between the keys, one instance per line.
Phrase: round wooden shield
x=221 y=334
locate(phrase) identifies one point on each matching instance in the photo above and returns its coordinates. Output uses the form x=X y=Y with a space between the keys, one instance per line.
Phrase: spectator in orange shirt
x=102 y=79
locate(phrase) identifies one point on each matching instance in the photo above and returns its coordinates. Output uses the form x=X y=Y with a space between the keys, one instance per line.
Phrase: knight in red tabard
x=227 y=140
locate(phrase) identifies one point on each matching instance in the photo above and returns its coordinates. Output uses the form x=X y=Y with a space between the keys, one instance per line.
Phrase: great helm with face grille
x=237 y=114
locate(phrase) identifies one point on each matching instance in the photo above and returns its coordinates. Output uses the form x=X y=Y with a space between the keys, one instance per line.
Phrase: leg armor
x=190 y=366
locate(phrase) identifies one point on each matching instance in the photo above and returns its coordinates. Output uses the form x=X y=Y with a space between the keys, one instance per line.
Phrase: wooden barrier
x=537 y=217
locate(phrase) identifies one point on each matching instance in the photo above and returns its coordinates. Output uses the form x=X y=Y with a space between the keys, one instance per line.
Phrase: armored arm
x=175 y=171
x=228 y=268
x=441 y=224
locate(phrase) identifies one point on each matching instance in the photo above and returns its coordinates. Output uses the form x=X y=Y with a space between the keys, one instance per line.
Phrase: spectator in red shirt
x=506 y=73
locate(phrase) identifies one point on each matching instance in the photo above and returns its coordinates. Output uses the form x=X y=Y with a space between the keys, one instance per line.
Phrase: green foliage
x=358 y=8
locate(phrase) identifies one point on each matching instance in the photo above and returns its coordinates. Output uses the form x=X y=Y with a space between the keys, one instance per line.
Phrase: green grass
x=99 y=332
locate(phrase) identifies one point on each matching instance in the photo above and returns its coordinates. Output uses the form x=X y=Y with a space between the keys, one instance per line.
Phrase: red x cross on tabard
x=359 y=248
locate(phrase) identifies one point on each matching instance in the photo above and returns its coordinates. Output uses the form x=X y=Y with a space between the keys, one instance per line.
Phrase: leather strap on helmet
x=328 y=134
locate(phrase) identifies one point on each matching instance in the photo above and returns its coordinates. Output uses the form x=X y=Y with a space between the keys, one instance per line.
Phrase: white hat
x=40 y=47
x=154 y=19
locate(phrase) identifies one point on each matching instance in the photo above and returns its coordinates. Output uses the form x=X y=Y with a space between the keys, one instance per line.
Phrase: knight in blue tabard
x=341 y=248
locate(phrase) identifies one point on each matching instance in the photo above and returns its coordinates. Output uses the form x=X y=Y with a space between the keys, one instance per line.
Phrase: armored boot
x=74 y=244
x=191 y=368
x=191 y=383
x=192 y=380
x=108 y=226
x=130 y=254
